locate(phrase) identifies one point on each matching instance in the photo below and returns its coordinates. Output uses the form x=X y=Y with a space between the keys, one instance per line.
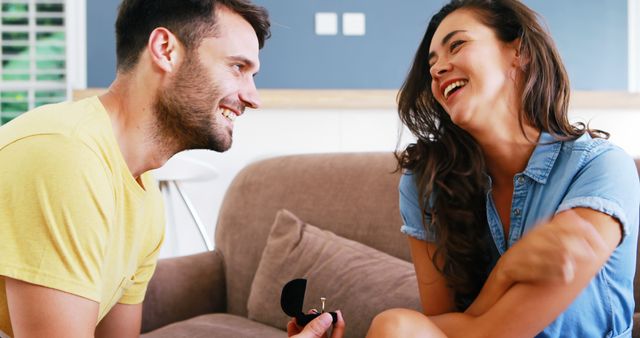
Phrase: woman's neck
x=507 y=152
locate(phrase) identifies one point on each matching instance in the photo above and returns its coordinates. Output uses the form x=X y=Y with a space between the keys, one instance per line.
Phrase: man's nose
x=249 y=95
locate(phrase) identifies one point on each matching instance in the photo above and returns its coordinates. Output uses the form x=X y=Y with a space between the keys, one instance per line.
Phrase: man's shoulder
x=71 y=119
x=43 y=149
x=67 y=134
x=54 y=162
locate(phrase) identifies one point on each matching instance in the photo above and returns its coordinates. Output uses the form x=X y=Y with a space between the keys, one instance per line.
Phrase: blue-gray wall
x=101 y=42
x=591 y=36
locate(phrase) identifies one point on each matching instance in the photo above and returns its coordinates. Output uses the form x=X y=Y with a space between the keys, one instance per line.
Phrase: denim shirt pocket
x=625 y=334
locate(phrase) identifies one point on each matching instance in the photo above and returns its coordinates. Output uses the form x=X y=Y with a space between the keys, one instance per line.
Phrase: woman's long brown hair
x=447 y=162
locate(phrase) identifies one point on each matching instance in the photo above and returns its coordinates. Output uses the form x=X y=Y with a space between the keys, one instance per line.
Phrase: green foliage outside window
x=17 y=66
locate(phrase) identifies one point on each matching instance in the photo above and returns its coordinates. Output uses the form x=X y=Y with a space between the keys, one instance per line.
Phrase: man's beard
x=185 y=111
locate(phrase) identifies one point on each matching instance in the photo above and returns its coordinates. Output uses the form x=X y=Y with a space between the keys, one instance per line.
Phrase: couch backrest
x=352 y=195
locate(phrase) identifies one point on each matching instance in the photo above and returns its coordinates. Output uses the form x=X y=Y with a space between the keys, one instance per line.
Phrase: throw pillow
x=356 y=279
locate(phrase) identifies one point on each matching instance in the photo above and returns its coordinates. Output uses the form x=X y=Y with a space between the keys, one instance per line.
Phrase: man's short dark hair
x=189 y=20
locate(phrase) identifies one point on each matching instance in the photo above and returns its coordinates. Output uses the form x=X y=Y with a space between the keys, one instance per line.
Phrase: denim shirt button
x=516 y=211
x=521 y=180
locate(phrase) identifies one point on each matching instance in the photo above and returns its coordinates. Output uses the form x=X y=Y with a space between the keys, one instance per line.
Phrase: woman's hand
x=317 y=328
x=549 y=252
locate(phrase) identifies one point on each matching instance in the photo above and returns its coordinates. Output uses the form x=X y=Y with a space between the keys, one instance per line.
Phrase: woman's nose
x=440 y=68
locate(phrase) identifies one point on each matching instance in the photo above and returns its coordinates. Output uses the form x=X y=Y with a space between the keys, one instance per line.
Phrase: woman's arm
x=526 y=308
x=547 y=254
x=436 y=297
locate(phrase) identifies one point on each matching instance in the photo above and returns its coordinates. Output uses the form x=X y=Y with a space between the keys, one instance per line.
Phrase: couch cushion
x=347 y=193
x=216 y=325
x=356 y=279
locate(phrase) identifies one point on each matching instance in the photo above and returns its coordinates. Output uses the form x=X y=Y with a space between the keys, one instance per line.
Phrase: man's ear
x=164 y=49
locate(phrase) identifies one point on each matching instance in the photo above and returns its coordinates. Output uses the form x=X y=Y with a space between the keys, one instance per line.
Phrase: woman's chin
x=460 y=119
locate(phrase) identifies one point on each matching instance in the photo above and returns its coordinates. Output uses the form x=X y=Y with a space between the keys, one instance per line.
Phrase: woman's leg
x=403 y=323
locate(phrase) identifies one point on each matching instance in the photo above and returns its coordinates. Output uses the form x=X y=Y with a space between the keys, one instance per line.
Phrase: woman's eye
x=455 y=44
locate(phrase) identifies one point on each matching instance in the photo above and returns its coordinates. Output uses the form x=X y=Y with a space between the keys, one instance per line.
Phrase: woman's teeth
x=452 y=86
x=231 y=116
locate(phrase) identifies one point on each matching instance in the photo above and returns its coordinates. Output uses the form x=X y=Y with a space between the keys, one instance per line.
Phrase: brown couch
x=352 y=195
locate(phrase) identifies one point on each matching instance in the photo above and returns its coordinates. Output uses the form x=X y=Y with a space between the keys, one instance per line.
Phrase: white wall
x=267 y=133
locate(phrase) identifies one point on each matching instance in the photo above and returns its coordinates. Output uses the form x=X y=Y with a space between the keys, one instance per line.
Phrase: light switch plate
x=326 y=23
x=353 y=24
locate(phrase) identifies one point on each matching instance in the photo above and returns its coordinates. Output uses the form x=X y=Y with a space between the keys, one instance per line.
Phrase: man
x=80 y=217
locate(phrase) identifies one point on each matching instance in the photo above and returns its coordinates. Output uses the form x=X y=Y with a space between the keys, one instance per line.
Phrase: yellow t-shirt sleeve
x=56 y=200
x=136 y=292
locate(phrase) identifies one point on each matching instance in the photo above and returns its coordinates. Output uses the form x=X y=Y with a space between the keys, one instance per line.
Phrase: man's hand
x=317 y=328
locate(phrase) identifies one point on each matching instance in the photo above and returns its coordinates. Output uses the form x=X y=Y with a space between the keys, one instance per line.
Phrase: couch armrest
x=184 y=287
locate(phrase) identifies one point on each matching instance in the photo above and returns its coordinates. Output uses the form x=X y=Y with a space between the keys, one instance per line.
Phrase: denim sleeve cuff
x=420 y=234
x=600 y=204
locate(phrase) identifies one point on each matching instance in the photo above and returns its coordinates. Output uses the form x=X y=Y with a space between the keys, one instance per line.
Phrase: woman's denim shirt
x=587 y=173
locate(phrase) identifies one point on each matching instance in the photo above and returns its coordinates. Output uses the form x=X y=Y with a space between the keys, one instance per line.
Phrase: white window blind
x=33 y=70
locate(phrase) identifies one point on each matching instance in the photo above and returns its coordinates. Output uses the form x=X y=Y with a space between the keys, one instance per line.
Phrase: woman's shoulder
x=597 y=167
x=587 y=150
x=407 y=184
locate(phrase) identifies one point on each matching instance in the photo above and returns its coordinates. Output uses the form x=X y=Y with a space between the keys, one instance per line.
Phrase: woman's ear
x=164 y=49
x=520 y=59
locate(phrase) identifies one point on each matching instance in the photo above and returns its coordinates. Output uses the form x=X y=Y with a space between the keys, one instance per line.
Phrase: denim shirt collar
x=543 y=158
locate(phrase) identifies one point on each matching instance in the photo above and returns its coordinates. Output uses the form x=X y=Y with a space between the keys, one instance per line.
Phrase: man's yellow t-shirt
x=72 y=217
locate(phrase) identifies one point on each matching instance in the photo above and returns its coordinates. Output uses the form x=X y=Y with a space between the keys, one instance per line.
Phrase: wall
x=266 y=133
x=591 y=36
x=101 y=42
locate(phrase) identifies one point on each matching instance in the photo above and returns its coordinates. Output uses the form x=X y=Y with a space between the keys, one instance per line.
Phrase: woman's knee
x=388 y=319
x=402 y=323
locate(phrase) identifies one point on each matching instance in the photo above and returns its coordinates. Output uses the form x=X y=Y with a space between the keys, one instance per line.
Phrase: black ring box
x=292 y=299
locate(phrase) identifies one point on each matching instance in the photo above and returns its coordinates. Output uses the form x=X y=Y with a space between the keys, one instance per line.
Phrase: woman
x=519 y=223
